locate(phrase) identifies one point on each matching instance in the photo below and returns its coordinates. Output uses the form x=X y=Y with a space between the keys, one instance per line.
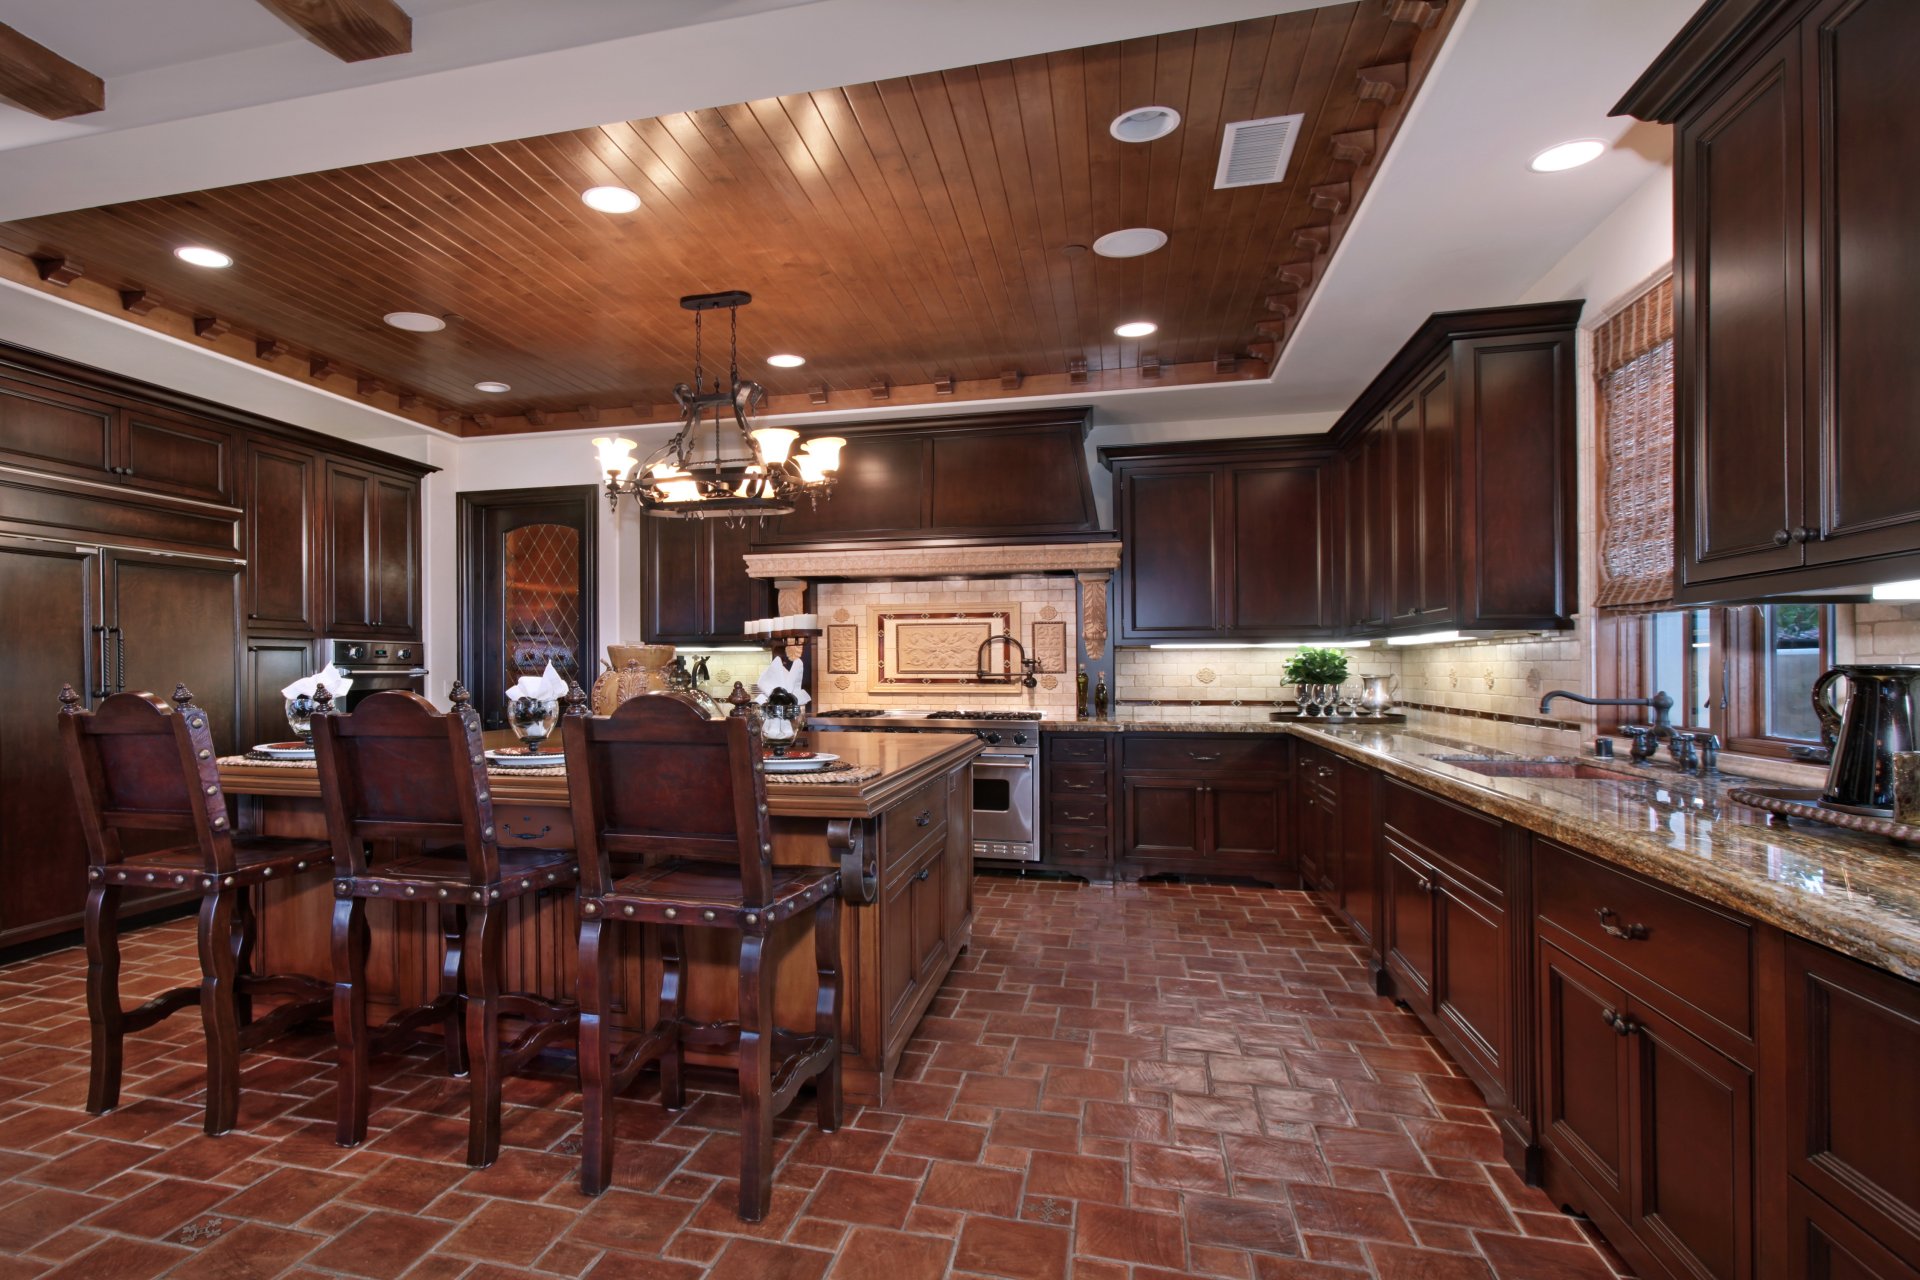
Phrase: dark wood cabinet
x=51 y=427
x=1795 y=268
x=1202 y=805
x=1421 y=430
x=371 y=579
x=1357 y=871
x=1226 y=543
x=1077 y=802
x=697 y=590
x=282 y=496
x=271 y=665
x=1368 y=466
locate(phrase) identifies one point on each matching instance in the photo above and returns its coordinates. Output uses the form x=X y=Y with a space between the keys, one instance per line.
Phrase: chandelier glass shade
x=719 y=464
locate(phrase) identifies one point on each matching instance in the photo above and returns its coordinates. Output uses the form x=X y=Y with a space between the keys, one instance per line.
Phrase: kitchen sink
x=1540 y=767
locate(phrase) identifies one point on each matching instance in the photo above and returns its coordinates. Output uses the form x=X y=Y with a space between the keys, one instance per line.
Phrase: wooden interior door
x=177 y=621
x=528 y=589
x=49 y=609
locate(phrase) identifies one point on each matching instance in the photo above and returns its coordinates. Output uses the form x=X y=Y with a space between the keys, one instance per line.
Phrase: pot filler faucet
x=1692 y=750
x=1028 y=666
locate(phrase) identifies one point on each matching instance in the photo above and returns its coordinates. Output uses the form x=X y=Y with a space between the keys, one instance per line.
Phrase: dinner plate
x=284 y=751
x=812 y=763
x=520 y=758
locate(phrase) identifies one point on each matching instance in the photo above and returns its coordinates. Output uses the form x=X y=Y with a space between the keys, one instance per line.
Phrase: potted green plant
x=1317 y=675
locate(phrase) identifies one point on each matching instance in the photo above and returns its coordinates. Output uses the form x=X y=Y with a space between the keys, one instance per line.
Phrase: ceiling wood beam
x=35 y=78
x=350 y=30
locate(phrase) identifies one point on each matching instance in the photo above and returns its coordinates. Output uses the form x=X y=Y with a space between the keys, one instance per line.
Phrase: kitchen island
x=901 y=835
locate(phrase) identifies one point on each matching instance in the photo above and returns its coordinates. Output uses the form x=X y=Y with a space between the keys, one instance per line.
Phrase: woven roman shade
x=1633 y=364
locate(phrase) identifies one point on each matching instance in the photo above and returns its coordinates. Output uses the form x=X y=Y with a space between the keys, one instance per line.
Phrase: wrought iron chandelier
x=719 y=465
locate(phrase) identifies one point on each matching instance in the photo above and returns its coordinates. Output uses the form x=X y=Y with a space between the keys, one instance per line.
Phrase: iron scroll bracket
x=859 y=867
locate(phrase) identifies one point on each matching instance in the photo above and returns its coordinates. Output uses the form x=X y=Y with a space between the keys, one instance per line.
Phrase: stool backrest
x=395 y=768
x=659 y=779
x=140 y=763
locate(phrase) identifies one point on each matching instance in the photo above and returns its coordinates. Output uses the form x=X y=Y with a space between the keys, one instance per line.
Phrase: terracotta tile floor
x=1137 y=1082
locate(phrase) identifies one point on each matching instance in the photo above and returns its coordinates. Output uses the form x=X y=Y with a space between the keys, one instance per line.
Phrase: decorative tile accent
x=842 y=683
x=1050 y=644
x=1205 y=675
x=1049 y=682
x=1049 y=613
x=1491 y=682
x=1534 y=682
x=843 y=647
x=916 y=651
x=841 y=615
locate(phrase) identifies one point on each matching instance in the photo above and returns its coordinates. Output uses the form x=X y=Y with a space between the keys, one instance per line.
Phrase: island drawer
x=1076 y=811
x=1077 y=779
x=1172 y=753
x=918 y=817
x=1085 y=748
x=1702 y=955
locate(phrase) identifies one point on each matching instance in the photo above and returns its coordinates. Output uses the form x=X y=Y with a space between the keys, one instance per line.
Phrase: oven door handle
x=1006 y=762
x=412 y=673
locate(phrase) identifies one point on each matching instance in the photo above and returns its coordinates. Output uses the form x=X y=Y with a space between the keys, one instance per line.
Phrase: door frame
x=472 y=508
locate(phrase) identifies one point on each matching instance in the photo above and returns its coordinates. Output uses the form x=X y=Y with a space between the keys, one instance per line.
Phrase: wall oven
x=377 y=665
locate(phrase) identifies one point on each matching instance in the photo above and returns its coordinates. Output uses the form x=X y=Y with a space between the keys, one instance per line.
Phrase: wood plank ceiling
x=914 y=239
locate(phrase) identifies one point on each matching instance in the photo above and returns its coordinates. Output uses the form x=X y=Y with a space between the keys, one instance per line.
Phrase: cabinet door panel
x=1584 y=1071
x=272 y=665
x=1471 y=991
x=1693 y=1183
x=673 y=554
x=731 y=596
x=1172 y=574
x=280 y=537
x=1359 y=855
x=1437 y=545
x=1740 y=418
x=882 y=489
x=1403 y=430
x=184 y=458
x=1868 y=262
x=394 y=571
x=1282 y=553
x=1163 y=819
x=1823 y=1245
x=49 y=601
x=180 y=625
x=349 y=538
x=1409 y=938
x=1316 y=821
x=49 y=431
x=930 y=916
x=1243 y=819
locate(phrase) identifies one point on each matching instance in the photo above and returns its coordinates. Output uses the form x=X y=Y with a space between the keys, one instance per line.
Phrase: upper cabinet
x=45 y=426
x=1443 y=499
x=372 y=533
x=1224 y=543
x=697 y=588
x=1795 y=201
x=1002 y=477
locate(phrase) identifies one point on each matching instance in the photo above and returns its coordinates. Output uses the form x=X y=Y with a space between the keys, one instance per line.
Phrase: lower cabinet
x=924 y=906
x=1210 y=805
x=1077 y=803
x=271 y=666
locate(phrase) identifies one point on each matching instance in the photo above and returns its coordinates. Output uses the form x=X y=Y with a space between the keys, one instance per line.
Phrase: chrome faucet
x=1029 y=667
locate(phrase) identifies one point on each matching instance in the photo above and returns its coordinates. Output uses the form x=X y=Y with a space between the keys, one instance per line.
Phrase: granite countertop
x=1857 y=894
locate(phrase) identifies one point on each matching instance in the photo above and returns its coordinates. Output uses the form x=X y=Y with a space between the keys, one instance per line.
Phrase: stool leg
x=826 y=1009
x=103 y=998
x=245 y=931
x=484 y=960
x=593 y=982
x=218 y=1011
x=756 y=1079
x=453 y=927
x=673 y=1007
x=350 y=1020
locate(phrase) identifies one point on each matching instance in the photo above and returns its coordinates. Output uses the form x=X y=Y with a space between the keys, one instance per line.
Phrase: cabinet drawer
x=1701 y=955
x=1079 y=846
x=915 y=819
x=1076 y=811
x=1077 y=780
x=1168 y=753
x=1468 y=842
x=1089 y=748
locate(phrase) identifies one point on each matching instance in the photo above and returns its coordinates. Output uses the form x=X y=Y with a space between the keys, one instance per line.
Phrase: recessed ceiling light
x=1568 y=155
x=1144 y=124
x=491 y=388
x=610 y=199
x=1136 y=328
x=414 y=321
x=201 y=256
x=1130 y=243
x=786 y=361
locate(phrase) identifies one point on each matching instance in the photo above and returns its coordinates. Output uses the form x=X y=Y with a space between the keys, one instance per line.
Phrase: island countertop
x=905 y=761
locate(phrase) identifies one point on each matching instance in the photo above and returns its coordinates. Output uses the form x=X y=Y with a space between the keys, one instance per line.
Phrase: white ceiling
x=1454 y=217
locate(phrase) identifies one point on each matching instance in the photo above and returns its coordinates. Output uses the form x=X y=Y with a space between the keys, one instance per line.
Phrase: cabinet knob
x=1781 y=537
x=1626 y=933
x=925 y=818
x=1621 y=1024
x=1425 y=884
x=924 y=873
x=1807 y=533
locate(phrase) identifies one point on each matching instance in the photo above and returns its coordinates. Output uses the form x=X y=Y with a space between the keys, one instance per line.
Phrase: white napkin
x=779 y=676
x=548 y=686
x=329 y=675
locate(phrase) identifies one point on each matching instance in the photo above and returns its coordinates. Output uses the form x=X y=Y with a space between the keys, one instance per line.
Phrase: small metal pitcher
x=1376 y=695
x=1883 y=707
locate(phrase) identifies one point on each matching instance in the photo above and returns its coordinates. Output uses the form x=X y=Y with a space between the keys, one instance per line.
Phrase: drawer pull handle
x=1621 y=1024
x=924 y=873
x=1626 y=933
x=1202 y=759
x=1079 y=786
x=925 y=818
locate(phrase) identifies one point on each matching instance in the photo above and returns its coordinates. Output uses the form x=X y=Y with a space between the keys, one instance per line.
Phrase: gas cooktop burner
x=983 y=715
x=858 y=711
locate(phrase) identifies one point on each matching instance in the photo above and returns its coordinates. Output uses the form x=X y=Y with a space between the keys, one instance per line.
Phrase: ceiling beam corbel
x=350 y=30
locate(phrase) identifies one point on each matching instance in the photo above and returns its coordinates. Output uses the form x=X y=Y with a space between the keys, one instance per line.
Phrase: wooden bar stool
x=660 y=784
x=142 y=766
x=399 y=772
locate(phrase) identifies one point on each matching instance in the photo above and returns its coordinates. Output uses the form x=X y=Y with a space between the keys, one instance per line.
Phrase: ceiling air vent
x=1257 y=151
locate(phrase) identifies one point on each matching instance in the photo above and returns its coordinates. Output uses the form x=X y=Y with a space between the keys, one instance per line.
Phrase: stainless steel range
x=1006 y=776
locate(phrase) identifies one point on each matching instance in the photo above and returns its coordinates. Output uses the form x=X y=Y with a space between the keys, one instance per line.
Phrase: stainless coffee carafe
x=1883 y=706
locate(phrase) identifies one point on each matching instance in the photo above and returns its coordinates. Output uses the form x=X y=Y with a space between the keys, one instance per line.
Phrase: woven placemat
x=838 y=773
x=252 y=761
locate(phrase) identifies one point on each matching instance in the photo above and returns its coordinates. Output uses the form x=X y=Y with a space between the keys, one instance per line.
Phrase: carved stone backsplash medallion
x=922 y=650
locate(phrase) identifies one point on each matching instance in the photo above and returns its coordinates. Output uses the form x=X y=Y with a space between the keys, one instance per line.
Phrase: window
x=1745 y=672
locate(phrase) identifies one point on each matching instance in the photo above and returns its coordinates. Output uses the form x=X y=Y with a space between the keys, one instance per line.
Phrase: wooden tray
x=1385 y=717
x=1782 y=803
